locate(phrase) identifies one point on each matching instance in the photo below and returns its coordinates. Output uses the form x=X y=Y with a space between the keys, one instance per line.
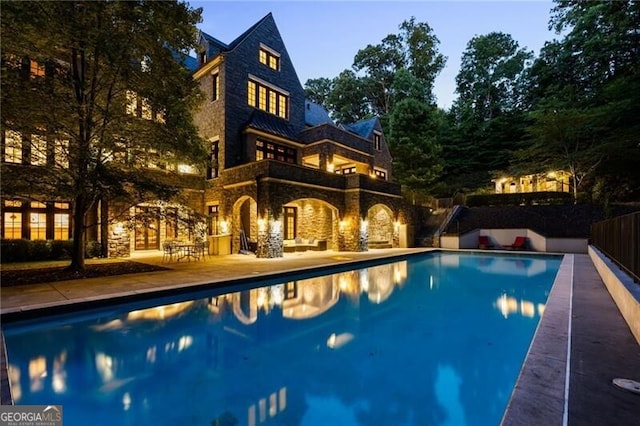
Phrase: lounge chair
x=520 y=243
x=484 y=243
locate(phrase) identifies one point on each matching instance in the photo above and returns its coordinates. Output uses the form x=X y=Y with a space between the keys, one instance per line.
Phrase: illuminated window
x=282 y=106
x=12 y=203
x=267 y=99
x=12 y=147
x=213 y=220
x=259 y=150
x=274 y=151
x=61 y=226
x=251 y=94
x=12 y=225
x=36 y=69
x=38 y=150
x=132 y=103
x=273 y=102
x=376 y=140
x=290 y=214
x=262 y=98
x=38 y=205
x=347 y=170
x=269 y=58
x=147 y=113
x=38 y=226
x=380 y=174
x=61 y=153
x=61 y=205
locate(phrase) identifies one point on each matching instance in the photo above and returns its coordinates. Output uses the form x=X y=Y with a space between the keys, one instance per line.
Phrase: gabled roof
x=362 y=128
x=244 y=35
x=269 y=123
x=315 y=114
x=216 y=46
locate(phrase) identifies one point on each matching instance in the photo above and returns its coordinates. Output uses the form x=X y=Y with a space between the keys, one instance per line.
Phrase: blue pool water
x=430 y=340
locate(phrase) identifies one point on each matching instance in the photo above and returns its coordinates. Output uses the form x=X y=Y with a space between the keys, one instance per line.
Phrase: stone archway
x=245 y=219
x=380 y=226
x=310 y=219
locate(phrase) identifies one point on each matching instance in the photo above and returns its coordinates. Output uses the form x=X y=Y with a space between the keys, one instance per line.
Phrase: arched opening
x=309 y=224
x=245 y=221
x=380 y=226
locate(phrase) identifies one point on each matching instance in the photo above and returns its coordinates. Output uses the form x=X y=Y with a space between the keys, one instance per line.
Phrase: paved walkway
x=602 y=345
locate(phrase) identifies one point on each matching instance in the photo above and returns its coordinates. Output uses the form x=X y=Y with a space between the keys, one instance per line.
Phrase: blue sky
x=322 y=37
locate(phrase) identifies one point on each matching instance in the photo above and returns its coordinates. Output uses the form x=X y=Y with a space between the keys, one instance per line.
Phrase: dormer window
x=269 y=57
x=377 y=137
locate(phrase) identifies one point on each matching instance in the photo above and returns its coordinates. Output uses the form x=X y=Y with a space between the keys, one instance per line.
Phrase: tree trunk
x=77 y=255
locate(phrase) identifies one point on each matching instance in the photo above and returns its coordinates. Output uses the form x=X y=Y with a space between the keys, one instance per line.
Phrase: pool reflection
x=353 y=344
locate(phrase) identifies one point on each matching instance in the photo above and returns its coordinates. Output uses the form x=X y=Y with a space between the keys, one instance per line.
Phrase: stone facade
x=251 y=195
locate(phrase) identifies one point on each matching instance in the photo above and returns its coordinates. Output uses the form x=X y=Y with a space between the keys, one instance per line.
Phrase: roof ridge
x=245 y=34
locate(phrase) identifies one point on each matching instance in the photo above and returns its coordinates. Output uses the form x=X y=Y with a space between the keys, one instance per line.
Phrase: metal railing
x=619 y=239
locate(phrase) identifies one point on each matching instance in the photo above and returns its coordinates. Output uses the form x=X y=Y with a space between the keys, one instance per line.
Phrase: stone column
x=269 y=238
x=363 y=237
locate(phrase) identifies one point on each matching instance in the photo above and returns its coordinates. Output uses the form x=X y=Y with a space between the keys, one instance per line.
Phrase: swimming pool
x=433 y=339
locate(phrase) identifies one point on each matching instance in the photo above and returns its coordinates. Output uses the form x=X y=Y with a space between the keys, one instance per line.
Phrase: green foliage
x=527 y=198
x=97 y=55
x=318 y=90
x=413 y=144
x=38 y=250
x=94 y=249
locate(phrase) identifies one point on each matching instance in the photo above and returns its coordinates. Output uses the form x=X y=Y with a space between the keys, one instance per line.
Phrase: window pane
x=272 y=102
x=251 y=98
x=12 y=147
x=38 y=226
x=61 y=226
x=263 y=56
x=273 y=62
x=61 y=153
x=12 y=225
x=132 y=106
x=262 y=98
x=38 y=150
x=146 y=109
x=282 y=106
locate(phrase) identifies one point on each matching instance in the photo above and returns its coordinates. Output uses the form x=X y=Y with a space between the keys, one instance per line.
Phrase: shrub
x=39 y=250
x=14 y=251
x=94 y=249
x=61 y=249
x=519 y=199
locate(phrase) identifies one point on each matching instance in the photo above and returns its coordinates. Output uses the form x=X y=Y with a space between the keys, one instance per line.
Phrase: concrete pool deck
x=601 y=345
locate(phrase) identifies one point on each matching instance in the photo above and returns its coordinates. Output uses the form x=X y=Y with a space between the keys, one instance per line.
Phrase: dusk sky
x=322 y=37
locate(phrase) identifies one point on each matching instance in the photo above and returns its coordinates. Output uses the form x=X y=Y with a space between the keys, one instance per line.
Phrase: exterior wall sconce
x=118 y=229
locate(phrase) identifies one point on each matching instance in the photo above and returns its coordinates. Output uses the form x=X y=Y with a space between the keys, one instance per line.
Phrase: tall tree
x=318 y=89
x=114 y=96
x=414 y=127
x=491 y=74
x=489 y=110
x=592 y=78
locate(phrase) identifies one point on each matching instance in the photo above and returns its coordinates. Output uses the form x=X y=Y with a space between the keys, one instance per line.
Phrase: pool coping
x=541 y=393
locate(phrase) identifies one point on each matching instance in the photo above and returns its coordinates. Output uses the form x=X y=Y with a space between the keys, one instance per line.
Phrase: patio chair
x=202 y=249
x=168 y=250
x=520 y=243
x=484 y=242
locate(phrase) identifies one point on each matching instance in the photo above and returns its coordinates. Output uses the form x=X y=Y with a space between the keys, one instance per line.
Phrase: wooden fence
x=619 y=239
